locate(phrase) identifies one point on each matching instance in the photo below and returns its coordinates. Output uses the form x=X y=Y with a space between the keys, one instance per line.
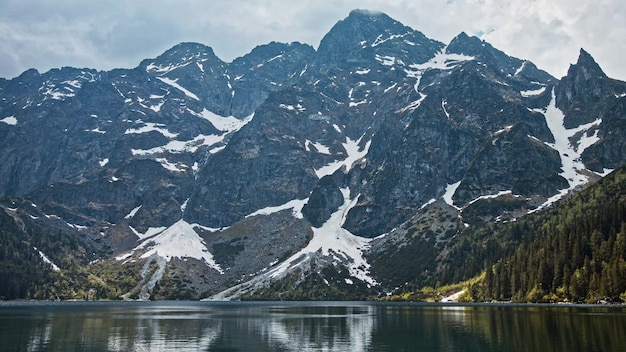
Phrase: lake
x=308 y=326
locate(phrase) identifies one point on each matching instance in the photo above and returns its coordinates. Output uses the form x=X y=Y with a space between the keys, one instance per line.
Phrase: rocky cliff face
x=587 y=96
x=288 y=160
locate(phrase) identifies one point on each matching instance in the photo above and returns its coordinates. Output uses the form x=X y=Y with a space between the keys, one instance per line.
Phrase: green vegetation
x=23 y=272
x=174 y=286
x=395 y=266
x=436 y=294
x=25 y=275
x=575 y=252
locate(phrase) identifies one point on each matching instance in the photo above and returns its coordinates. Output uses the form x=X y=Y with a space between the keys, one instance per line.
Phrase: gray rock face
x=325 y=199
x=380 y=117
x=461 y=111
x=588 y=96
x=364 y=35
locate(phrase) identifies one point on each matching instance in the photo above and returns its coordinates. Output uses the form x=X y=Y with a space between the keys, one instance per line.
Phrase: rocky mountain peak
x=186 y=51
x=364 y=34
x=586 y=66
x=464 y=44
x=28 y=74
x=271 y=51
x=585 y=83
x=181 y=56
x=481 y=50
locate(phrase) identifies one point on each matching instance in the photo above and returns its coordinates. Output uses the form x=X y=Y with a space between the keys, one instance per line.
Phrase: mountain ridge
x=287 y=150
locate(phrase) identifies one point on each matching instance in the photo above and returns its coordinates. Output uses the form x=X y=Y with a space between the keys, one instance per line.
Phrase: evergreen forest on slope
x=574 y=252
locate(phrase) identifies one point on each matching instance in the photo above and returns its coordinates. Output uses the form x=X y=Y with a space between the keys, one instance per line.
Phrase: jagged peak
x=275 y=48
x=586 y=66
x=366 y=19
x=362 y=25
x=480 y=49
x=367 y=13
x=191 y=48
x=183 y=52
x=370 y=30
x=31 y=72
x=461 y=36
x=584 y=83
x=468 y=45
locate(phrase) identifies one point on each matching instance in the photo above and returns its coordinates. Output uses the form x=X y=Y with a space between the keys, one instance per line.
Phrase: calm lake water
x=341 y=326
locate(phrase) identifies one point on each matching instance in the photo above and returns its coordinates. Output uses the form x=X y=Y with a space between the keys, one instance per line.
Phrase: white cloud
x=116 y=33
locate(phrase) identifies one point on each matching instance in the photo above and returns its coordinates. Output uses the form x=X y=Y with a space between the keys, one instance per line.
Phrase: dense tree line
x=24 y=274
x=575 y=252
x=20 y=264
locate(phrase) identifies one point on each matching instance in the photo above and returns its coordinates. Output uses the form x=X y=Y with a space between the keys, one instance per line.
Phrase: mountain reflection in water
x=307 y=326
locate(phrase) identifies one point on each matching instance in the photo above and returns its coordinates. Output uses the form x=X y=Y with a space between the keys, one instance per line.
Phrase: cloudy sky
x=107 y=34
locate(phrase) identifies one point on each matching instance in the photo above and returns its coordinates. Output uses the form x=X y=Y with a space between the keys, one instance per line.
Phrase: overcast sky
x=108 y=34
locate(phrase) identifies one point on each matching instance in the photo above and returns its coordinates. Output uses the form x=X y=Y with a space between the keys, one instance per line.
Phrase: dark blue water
x=210 y=326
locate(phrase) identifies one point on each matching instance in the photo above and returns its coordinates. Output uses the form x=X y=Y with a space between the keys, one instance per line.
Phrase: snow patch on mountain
x=58 y=94
x=177 y=241
x=319 y=147
x=431 y=201
x=172 y=82
x=570 y=154
x=174 y=167
x=330 y=240
x=46 y=260
x=521 y=68
x=415 y=104
x=493 y=196
x=156 y=107
x=296 y=205
x=149 y=127
x=531 y=93
x=443 y=106
x=333 y=240
x=177 y=147
x=223 y=123
x=450 y=190
x=297 y=108
x=227 y=125
x=380 y=40
x=354 y=153
x=96 y=130
x=386 y=60
x=151 y=231
x=9 y=120
x=73 y=82
x=442 y=61
x=160 y=69
x=353 y=104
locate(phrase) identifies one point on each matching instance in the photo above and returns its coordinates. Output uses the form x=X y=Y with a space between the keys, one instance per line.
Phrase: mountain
x=349 y=171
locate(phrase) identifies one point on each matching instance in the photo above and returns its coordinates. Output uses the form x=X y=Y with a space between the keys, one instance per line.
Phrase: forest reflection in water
x=308 y=326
